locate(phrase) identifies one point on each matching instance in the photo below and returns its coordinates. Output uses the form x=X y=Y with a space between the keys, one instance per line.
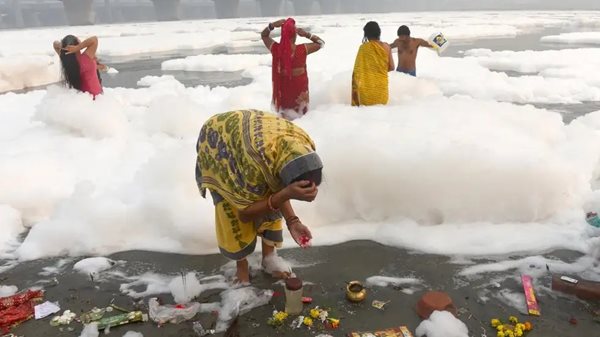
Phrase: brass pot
x=356 y=292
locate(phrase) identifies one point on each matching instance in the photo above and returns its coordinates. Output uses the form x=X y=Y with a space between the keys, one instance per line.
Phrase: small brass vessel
x=356 y=292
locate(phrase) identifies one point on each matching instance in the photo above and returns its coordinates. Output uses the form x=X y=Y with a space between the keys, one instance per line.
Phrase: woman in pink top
x=79 y=68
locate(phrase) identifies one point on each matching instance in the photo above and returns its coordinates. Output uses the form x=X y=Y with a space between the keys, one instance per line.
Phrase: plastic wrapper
x=132 y=317
x=175 y=314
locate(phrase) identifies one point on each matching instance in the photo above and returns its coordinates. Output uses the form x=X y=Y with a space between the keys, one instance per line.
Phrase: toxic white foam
x=445 y=168
x=94 y=265
x=442 y=324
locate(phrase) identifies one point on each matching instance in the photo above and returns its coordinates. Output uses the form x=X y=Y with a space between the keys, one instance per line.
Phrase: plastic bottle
x=592 y=219
x=293 y=296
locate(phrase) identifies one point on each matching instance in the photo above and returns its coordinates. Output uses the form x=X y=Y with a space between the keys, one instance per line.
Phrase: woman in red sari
x=290 y=79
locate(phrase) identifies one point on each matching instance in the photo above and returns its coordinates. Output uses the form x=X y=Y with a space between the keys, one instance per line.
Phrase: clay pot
x=434 y=301
x=356 y=292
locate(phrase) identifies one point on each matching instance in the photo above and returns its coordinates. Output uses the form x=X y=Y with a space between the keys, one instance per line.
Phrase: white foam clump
x=188 y=287
x=442 y=324
x=384 y=281
x=79 y=113
x=217 y=62
x=12 y=226
x=133 y=334
x=26 y=71
x=90 y=330
x=275 y=263
x=155 y=284
x=443 y=169
x=94 y=265
x=574 y=38
x=237 y=302
x=8 y=290
x=128 y=41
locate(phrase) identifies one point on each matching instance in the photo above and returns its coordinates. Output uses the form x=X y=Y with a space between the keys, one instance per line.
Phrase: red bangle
x=270 y=204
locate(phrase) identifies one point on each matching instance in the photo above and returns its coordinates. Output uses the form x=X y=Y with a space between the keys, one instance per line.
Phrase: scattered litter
x=16 y=309
x=532 y=306
x=65 y=319
x=93 y=315
x=186 y=287
x=200 y=331
x=379 y=304
x=175 y=314
x=45 y=309
x=132 y=317
x=237 y=302
x=396 y=332
x=513 y=328
x=278 y=318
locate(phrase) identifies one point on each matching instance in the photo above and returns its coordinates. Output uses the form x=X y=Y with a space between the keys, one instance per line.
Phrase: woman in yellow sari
x=373 y=62
x=253 y=163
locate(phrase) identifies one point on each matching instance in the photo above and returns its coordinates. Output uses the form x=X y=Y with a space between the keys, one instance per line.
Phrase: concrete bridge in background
x=28 y=13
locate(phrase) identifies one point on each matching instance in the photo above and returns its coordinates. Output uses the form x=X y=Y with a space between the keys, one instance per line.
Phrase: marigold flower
x=500 y=334
x=513 y=319
x=308 y=321
x=495 y=322
x=528 y=326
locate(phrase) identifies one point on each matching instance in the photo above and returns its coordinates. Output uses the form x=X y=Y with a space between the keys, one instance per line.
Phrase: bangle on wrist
x=270 y=204
x=271 y=26
x=292 y=220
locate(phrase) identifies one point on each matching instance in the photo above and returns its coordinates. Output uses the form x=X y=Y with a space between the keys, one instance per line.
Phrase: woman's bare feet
x=273 y=264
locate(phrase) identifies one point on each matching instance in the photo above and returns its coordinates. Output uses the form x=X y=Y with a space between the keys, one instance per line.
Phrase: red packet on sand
x=397 y=332
x=532 y=305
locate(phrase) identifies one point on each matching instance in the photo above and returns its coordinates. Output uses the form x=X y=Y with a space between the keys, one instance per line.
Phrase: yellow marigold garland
x=513 y=329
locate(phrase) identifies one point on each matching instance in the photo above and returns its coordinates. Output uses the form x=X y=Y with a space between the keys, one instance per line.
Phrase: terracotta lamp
x=434 y=301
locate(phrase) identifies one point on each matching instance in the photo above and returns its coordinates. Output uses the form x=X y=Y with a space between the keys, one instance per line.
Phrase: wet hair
x=70 y=64
x=403 y=31
x=372 y=31
x=315 y=176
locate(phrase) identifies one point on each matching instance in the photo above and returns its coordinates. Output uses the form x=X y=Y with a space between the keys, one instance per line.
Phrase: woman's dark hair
x=70 y=64
x=315 y=176
x=403 y=31
x=372 y=31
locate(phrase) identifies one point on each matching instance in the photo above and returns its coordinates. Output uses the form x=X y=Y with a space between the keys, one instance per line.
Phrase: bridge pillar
x=17 y=14
x=167 y=10
x=79 y=12
x=303 y=7
x=270 y=7
x=349 y=6
x=227 y=8
x=329 y=6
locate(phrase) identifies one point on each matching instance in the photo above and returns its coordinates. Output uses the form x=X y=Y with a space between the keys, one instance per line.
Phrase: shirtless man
x=407 y=51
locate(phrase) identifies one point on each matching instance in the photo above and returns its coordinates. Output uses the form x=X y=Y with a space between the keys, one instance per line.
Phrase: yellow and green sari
x=243 y=157
x=370 y=76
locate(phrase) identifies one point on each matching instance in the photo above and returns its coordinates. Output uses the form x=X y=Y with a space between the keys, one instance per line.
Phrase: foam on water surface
x=445 y=168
